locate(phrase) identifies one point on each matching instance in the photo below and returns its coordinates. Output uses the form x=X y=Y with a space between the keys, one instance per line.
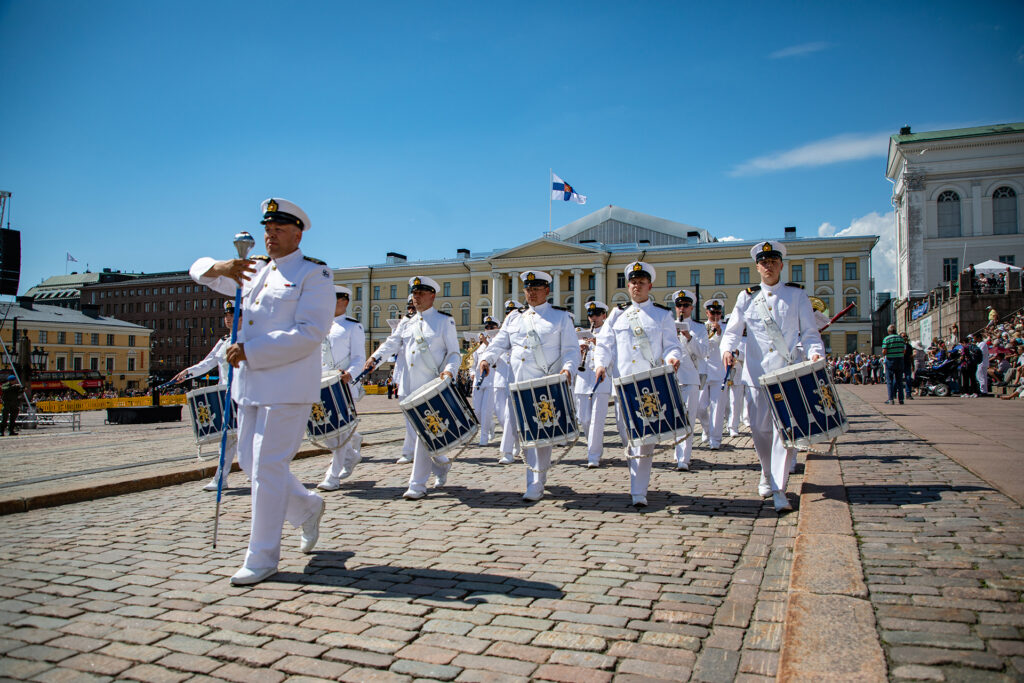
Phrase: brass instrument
x=818 y=305
x=713 y=328
x=467 y=356
x=588 y=343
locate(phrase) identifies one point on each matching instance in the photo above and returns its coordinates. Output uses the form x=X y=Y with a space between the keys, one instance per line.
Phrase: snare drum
x=333 y=418
x=206 y=406
x=652 y=407
x=545 y=411
x=805 y=406
x=440 y=415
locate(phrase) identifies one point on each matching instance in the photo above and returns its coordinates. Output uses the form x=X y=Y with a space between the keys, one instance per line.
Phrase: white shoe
x=593 y=464
x=703 y=439
x=211 y=486
x=403 y=459
x=715 y=446
x=639 y=501
x=414 y=495
x=349 y=467
x=533 y=493
x=311 y=529
x=506 y=459
x=329 y=484
x=248 y=577
x=682 y=467
x=781 y=501
x=733 y=432
x=441 y=478
x=764 y=490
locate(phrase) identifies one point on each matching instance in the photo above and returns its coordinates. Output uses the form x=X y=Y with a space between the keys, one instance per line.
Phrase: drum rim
x=544 y=381
x=656 y=371
x=213 y=388
x=791 y=371
x=433 y=385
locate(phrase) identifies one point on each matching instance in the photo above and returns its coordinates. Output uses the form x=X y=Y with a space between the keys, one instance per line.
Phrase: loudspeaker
x=10 y=261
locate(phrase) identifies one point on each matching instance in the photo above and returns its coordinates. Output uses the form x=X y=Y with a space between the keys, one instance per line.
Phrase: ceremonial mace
x=244 y=243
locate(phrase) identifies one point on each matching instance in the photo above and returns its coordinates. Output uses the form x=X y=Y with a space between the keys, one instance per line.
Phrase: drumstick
x=837 y=316
x=364 y=372
x=481 y=380
x=596 y=384
x=243 y=244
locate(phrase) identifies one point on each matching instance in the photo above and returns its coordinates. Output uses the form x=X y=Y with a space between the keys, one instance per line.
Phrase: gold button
x=264 y=284
x=770 y=349
x=250 y=322
x=257 y=301
x=769 y=308
x=274 y=267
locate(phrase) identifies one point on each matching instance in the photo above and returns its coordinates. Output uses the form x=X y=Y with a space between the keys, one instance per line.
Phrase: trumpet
x=713 y=328
x=589 y=343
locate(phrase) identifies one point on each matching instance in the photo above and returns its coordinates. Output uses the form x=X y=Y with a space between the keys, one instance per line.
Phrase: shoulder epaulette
x=314 y=260
x=261 y=257
x=664 y=308
x=351 y=320
x=794 y=284
x=560 y=308
x=623 y=307
x=445 y=313
x=755 y=288
x=409 y=315
x=522 y=308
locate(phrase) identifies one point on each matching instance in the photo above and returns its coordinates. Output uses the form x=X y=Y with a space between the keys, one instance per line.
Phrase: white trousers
x=268 y=438
x=640 y=470
x=982 y=375
x=230 y=454
x=422 y=467
x=735 y=399
x=483 y=405
x=690 y=393
x=341 y=454
x=712 y=406
x=592 y=410
x=776 y=459
x=537 y=459
x=409 y=444
x=503 y=410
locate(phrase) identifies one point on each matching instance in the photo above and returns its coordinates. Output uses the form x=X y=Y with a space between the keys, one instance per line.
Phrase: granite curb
x=830 y=630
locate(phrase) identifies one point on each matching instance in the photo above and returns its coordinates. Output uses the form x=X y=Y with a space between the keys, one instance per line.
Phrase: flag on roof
x=565 y=192
x=70 y=257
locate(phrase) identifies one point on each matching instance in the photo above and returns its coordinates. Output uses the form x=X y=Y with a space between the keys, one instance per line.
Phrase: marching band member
x=542 y=341
x=216 y=359
x=712 y=406
x=638 y=337
x=430 y=348
x=483 y=388
x=592 y=398
x=409 y=442
x=777 y=317
x=502 y=369
x=288 y=301
x=692 y=372
x=734 y=392
x=343 y=352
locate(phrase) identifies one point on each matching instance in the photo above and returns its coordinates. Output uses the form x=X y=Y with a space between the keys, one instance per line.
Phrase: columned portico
x=577 y=299
x=496 y=290
x=556 y=286
x=515 y=286
x=599 y=285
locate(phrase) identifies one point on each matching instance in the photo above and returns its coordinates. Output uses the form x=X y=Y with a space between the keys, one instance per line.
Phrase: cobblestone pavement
x=468 y=584
x=942 y=551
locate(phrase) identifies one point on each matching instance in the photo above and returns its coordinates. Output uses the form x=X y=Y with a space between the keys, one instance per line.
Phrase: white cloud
x=883 y=256
x=798 y=50
x=834 y=150
x=730 y=238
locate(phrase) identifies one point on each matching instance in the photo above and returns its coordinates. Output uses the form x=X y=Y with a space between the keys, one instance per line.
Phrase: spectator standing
x=981 y=371
x=11 y=403
x=893 y=347
x=908 y=365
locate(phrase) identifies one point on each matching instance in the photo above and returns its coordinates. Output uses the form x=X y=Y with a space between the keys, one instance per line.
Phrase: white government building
x=587 y=258
x=958 y=195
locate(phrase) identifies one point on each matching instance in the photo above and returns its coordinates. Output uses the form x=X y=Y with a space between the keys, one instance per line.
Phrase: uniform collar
x=645 y=304
x=295 y=255
x=339 y=318
x=540 y=308
x=774 y=289
x=424 y=314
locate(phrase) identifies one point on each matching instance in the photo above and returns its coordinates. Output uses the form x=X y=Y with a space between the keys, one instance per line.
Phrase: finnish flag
x=564 y=191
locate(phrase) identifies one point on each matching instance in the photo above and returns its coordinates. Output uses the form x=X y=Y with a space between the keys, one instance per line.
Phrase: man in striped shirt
x=894 y=346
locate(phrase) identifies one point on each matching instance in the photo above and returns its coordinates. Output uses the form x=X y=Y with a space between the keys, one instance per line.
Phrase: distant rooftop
x=40 y=313
x=977 y=131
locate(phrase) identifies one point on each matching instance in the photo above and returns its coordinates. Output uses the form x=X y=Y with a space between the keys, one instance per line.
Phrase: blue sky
x=140 y=135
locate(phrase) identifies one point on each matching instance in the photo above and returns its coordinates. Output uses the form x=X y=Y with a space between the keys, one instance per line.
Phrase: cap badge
x=416 y=281
x=637 y=266
x=271 y=206
x=529 y=276
x=767 y=246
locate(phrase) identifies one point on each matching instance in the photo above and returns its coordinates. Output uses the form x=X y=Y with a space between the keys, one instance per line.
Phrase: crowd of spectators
x=987 y=283
x=856 y=368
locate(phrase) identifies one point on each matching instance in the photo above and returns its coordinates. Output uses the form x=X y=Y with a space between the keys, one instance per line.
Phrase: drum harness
x=428 y=358
x=701 y=378
x=535 y=345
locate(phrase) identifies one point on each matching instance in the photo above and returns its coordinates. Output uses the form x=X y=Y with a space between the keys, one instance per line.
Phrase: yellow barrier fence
x=103 y=403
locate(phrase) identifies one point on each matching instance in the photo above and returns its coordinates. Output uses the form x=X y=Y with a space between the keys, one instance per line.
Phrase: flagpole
x=551 y=173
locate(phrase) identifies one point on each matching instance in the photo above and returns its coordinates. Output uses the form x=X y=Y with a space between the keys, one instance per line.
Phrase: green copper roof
x=960 y=133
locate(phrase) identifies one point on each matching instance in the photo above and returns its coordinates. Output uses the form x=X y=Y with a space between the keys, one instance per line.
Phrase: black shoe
x=901 y=402
x=888 y=402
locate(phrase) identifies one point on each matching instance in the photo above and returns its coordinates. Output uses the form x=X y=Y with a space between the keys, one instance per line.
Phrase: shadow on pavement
x=327 y=568
x=891 y=495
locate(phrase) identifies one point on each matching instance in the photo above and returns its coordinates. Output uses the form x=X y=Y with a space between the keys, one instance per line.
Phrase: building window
x=694 y=277
x=465 y=317
x=94 y=363
x=796 y=272
x=78 y=338
x=110 y=363
x=620 y=280
x=447 y=287
x=1008 y=260
x=949 y=214
x=76 y=362
x=131 y=367
x=131 y=342
x=376 y=318
x=62 y=363
x=719 y=276
x=484 y=312
x=745 y=275
x=483 y=285
x=590 y=282
x=94 y=339
x=823 y=272
x=851 y=270
x=376 y=292
x=852 y=299
x=851 y=343
x=110 y=340
x=394 y=292
x=465 y=291
x=670 y=278
x=950 y=269
x=1004 y=211
x=43 y=335
x=359 y=292
x=62 y=337
x=572 y=284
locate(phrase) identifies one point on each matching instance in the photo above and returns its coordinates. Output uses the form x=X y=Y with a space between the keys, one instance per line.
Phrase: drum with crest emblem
x=440 y=416
x=333 y=418
x=804 y=404
x=545 y=411
x=652 y=407
x=206 y=406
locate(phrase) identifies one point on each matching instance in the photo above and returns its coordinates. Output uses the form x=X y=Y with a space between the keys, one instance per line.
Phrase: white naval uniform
x=483 y=397
x=692 y=366
x=712 y=402
x=982 y=371
x=619 y=347
x=287 y=308
x=216 y=358
x=502 y=370
x=343 y=351
x=397 y=372
x=437 y=330
x=789 y=306
x=592 y=405
x=559 y=350
x=735 y=396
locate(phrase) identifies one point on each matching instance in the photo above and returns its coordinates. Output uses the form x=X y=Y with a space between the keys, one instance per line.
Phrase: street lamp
x=39 y=358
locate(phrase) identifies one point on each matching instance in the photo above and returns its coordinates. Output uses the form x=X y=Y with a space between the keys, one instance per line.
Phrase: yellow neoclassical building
x=587 y=257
